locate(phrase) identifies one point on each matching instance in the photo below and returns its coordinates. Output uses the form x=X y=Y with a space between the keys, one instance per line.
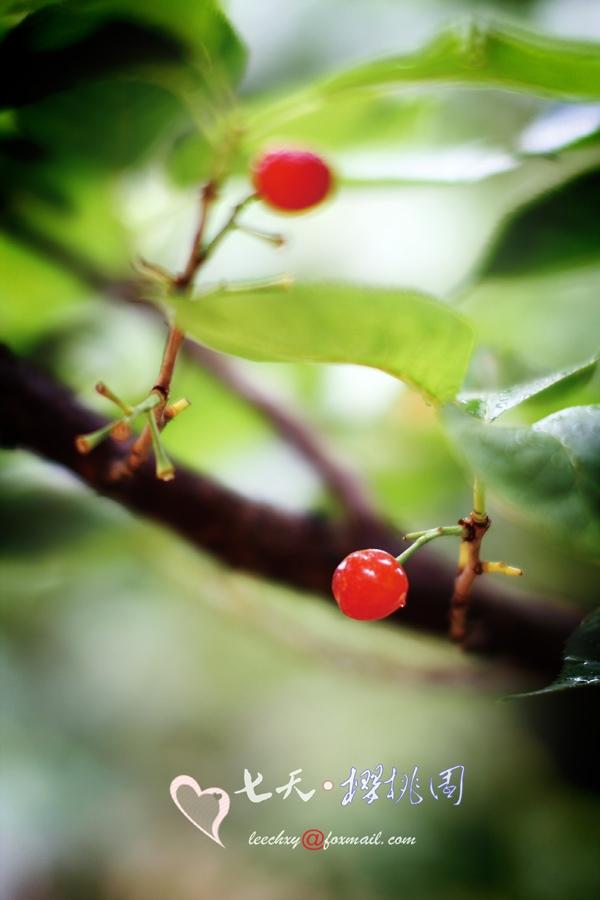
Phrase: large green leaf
x=539 y=321
x=488 y=405
x=102 y=80
x=494 y=55
x=55 y=50
x=553 y=231
x=550 y=471
x=34 y=294
x=413 y=337
x=474 y=55
x=63 y=46
x=581 y=659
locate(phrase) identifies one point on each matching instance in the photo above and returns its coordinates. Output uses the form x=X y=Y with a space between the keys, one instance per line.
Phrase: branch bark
x=40 y=415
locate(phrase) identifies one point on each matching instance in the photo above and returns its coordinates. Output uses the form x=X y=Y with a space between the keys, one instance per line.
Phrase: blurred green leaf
x=56 y=49
x=550 y=470
x=103 y=81
x=105 y=124
x=60 y=47
x=581 y=660
x=477 y=55
x=558 y=385
x=218 y=53
x=555 y=230
x=36 y=521
x=34 y=294
x=540 y=320
x=403 y=333
x=87 y=223
x=496 y=55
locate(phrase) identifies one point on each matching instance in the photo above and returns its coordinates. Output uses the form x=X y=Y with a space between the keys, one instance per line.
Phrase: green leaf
x=551 y=319
x=492 y=56
x=406 y=334
x=55 y=50
x=499 y=56
x=554 y=231
x=121 y=124
x=581 y=660
x=61 y=47
x=102 y=80
x=35 y=295
x=549 y=471
x=489 y=405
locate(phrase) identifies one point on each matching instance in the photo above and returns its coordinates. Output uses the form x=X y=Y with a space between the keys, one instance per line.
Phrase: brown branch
x=40 y=415
x=469 y=567
x=197 y=253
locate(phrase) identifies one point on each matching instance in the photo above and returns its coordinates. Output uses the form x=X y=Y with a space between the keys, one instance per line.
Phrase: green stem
x=146 y=405
x=437 y=532
x=85 y=443
x=423 y=537
x=479 y=499
x=230 y=224
x=165 y=471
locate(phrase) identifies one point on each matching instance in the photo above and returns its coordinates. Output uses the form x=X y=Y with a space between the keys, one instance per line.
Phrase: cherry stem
x=423 y=537
x=501 y=568
x=270 y=237
x=86 y=442
x=229 y=225
x=165 y=471
x=175 y=409
x=479 y=513
x=105 y=391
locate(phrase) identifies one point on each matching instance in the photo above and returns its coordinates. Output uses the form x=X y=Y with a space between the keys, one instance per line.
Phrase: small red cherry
x=292 y=180
x=369 y=584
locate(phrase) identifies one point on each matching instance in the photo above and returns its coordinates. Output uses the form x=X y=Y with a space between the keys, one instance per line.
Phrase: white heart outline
x=224 y=803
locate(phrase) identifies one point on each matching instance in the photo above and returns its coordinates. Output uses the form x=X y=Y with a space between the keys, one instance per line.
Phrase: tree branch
x=40 y=415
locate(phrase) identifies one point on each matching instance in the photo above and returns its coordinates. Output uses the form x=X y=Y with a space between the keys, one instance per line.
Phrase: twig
x=343 y=483
x=469 y=567
x=229 y=225
x=40 y=415
x=197 y=252
x=141 y=447
x=150 y=436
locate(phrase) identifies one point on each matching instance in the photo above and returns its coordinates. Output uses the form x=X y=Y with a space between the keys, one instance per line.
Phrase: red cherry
x=292 y=180
x=369 y=584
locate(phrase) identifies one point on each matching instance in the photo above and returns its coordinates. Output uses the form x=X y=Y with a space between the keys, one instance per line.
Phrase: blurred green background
x=127 y=658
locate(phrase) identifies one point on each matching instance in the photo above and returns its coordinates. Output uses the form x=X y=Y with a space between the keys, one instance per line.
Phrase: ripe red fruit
x=369 y=584
x=292 y=180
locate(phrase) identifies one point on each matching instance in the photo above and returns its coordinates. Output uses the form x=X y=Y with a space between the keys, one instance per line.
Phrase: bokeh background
x=127 y=658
